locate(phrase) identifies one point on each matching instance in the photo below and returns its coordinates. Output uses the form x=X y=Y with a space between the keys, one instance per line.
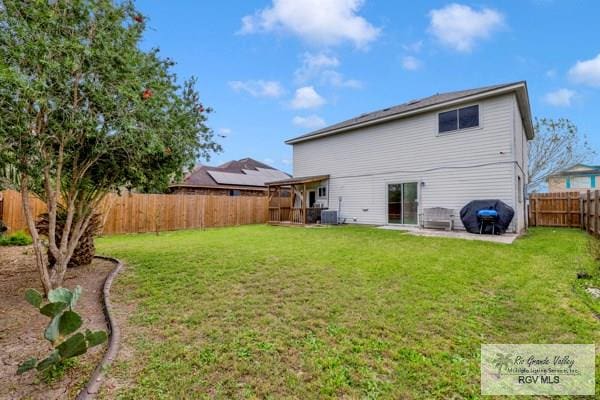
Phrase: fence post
x=588 y=210
x=537 y=210
x=596 y=212
x=581 y=221
x=569 y=216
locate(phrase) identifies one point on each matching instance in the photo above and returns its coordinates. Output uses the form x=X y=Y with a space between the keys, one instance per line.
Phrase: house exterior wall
x=521 y=168
x=453 y=168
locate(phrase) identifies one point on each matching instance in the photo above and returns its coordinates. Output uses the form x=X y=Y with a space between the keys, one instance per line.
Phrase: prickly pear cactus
x=62 y=328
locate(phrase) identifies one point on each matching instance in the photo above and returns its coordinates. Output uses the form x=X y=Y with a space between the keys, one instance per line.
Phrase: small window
x=234 y=192
x=322 y=192
x=468 y=117
x=581 y=182
x=448 y=121
x=462 y=118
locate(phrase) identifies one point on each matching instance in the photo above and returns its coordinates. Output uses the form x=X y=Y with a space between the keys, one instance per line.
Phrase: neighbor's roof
x=246 y=172
x=578 y=169
x=436 y=101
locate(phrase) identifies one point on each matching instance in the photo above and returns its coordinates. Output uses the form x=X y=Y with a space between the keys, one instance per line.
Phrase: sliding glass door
x=403 y=203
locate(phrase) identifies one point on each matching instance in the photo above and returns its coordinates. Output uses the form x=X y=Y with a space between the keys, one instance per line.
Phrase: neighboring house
x=385 y=167
x=245 y=177
x=578 y=178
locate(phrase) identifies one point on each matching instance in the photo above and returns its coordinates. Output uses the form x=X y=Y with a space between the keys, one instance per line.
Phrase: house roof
x=426 y=104
x=246 y=173
x=577 y=169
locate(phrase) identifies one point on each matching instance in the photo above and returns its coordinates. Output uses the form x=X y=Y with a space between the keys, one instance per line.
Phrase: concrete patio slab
x=506 y=238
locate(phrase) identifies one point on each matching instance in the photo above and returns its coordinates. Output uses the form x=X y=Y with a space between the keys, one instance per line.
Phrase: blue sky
x=274 y=69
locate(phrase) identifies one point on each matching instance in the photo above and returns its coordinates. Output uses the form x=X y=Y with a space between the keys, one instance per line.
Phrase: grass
x=349 y=312
x=19 y=238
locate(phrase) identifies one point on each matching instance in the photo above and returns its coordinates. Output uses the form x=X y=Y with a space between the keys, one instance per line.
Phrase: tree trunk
x=37 y=244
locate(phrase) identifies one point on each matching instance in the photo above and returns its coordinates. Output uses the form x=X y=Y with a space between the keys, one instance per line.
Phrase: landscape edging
x=90 y=390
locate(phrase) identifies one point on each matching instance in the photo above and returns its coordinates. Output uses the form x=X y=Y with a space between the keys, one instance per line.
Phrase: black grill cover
x=468 y=215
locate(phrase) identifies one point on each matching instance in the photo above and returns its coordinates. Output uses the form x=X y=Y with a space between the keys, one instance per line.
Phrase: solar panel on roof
x=248 y=178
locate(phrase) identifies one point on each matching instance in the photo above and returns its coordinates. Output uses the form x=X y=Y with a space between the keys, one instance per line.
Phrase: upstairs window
x=235 y=192
x=322 y=192
x=461 y=118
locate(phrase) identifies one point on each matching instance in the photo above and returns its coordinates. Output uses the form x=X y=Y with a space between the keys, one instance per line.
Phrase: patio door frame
x=387 y=202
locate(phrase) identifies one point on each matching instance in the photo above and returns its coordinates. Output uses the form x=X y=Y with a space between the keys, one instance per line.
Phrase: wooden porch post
x=292 y=194
x=304 y=203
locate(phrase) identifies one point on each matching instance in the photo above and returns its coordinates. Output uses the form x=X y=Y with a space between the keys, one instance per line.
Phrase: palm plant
x=85 y=250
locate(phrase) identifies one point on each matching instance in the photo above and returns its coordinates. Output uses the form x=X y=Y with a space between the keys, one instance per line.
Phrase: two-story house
x=385 y=167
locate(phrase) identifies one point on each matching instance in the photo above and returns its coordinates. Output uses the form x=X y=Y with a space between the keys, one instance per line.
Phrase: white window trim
x=458 y=130
x=319 y=192
x=389 y=182
x=588 y=185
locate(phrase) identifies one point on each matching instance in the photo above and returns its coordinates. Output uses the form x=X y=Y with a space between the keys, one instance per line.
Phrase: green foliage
x=85 y=110
x=64 y=322
x=18 y=238
x=55 y=372
x=33 y=297
x=75 y=72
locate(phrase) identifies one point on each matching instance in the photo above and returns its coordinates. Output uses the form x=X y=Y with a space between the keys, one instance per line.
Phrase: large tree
x=85 y=111
x=557 y=145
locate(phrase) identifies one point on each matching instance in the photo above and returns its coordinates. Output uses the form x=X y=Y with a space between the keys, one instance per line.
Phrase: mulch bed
x=21 y=326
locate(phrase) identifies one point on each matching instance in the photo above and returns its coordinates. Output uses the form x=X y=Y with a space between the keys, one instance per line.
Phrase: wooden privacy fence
x=555 y=209
x=135 y=213
x=568 y=209
x=590 y=212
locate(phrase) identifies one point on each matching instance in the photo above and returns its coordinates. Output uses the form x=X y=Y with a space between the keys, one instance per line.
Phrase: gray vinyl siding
x=477 y=163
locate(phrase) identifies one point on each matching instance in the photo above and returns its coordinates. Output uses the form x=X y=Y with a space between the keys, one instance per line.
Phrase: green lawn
x=348 y=312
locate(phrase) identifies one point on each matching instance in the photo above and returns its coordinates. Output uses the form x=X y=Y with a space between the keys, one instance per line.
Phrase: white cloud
x=285 y=161
x=459 y=26
x=314 y=64
x=586 y=72
x=225 y=131
x=411 y=63
x=335 y=78
x=258 y=88
x=322 y=67
x=323 y=22
x=551 y=73
x=309 y=122
x=268 y=161
x=413 y=47
x=307 y=97
x=560 y=97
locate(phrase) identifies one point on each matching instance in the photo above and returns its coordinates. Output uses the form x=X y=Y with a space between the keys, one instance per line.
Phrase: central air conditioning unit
x=329 y=217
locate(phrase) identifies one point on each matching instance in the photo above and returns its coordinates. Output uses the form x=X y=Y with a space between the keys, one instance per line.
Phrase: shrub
x=19 y=238
x=61 y=332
